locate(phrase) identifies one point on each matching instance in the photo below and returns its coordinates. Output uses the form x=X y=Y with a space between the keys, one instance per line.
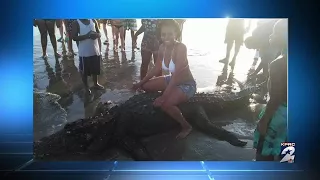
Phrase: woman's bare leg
x=61 y=32
x=121 y=32
x=134 y=41
x=51 y=30
x=105 y=33
x=44 y=36
x=170 y=106
x=116 y=38
x=155 y=84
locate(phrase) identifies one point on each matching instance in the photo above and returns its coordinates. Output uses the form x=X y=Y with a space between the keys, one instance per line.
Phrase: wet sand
x=120 y=70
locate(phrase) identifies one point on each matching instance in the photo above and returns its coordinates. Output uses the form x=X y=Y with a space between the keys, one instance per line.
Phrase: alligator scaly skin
x=123 y=125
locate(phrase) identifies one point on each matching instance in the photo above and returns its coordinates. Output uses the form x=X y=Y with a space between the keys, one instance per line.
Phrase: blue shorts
x=189 y=88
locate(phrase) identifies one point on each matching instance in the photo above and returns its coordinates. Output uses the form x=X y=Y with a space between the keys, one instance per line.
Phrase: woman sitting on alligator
x=177 y=87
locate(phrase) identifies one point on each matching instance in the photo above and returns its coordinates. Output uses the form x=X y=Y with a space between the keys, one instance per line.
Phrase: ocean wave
x=48 y=113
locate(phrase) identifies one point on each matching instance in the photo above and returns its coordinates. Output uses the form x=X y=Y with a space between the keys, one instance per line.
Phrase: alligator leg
x=98 y=145
x=124 y=139
x=134 y=147
x=202 y=121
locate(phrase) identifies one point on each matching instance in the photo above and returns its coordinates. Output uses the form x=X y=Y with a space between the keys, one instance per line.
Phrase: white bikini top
x=172 y=66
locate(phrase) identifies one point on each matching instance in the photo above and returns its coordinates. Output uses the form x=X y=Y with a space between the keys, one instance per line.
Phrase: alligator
x=124 y=125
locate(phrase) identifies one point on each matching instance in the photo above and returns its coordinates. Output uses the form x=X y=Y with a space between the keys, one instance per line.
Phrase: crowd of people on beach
x=270 y=41
x=162 y=41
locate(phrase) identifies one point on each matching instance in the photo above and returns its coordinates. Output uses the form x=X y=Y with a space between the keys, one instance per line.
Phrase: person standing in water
x=234 y=35
x=47 y=26
x=272 y=127
x=118 y=31
x=105 y=22
x=61 y=30
x=130 y=24
x=177 y=87
x=87 y=32
x=149 y=45
x=68 y=23
x=261 y=43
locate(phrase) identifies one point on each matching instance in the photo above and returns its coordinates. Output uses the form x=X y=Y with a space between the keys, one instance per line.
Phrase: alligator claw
x=238 y=143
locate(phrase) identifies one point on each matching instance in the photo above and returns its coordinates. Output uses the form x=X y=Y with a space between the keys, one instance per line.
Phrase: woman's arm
x=156 y=69
x=181 y=64
x=141 y=30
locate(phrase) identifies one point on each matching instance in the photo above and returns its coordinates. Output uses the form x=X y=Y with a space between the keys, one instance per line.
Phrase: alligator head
x=103 y=107
x=81 y=134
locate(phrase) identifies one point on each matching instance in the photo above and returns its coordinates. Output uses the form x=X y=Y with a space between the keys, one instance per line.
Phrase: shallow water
x=205 y=41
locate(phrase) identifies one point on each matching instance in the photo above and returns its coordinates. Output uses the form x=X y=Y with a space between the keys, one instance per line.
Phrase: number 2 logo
x=288 y=155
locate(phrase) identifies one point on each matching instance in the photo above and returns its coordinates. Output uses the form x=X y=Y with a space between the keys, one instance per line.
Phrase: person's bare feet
x=185 y=131
x=224 y=60
x=70 y=54
x=57 y=55
x=106 y=42
x=233 y=62
x=45 y=56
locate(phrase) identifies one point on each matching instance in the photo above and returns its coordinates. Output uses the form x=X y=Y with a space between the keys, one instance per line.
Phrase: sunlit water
x=204 y=39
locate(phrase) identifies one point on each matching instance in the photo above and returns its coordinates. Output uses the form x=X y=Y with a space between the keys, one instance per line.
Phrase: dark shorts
x=90 y=65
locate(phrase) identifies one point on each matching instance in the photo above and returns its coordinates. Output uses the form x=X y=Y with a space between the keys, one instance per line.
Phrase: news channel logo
x=287 y=152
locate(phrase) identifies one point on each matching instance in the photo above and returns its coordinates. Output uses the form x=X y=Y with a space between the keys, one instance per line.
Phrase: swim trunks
x=276 y=133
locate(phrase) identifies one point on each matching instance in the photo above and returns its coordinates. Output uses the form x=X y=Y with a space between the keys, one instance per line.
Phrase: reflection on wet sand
x=120 y=70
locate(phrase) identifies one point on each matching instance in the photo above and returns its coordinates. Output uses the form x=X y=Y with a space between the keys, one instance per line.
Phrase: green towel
x=276 y=133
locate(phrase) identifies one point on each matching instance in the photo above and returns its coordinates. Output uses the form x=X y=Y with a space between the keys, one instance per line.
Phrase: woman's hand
x=159 y=101
x=136 y=86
